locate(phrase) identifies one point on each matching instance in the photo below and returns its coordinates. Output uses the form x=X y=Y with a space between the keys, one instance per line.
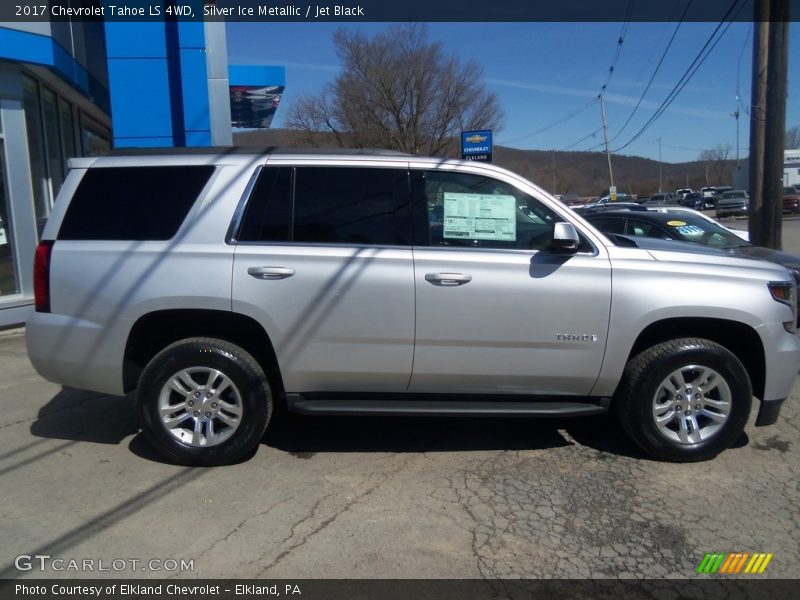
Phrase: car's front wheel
x=684 y=400
x=204 y=401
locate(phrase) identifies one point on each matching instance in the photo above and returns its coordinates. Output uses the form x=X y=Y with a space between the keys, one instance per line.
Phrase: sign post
x=477 y=145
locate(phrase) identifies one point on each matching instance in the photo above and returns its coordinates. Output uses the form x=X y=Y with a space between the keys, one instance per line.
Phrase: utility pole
x=768 y=116
x=659 y=165
x=735 y=115
x=554 y=172
x=605 y=136
x=777 y=74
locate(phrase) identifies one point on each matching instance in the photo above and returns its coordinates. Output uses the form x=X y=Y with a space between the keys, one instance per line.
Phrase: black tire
x=247 y=391
x=635 y=402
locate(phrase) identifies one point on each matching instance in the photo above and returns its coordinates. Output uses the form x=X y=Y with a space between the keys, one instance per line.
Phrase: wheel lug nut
x=208 y=395
x=196 y=413
x=191 y=403
x=213 y=405
x=208 y=414
x=697 y=407
x=197 y=394
x=697 y=396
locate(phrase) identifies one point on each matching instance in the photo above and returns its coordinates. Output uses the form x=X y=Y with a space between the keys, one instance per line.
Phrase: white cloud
x=611 y=98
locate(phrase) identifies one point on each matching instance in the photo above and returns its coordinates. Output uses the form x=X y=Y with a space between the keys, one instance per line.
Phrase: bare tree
x=792 y=138
x=715 y=161
x=397 y=90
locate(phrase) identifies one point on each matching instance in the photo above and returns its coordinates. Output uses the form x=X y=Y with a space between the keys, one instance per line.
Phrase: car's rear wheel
x=685 y=399
x=204 y=401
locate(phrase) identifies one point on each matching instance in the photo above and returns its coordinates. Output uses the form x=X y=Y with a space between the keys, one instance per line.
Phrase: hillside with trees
x=581 y=173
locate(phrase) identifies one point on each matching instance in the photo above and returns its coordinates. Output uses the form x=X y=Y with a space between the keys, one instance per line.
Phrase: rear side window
x=133 y=203
x=333 y=205
x=351 y=206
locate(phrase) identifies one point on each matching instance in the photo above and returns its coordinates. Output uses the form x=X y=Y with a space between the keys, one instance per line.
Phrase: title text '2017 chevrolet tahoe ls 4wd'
x=218 y=283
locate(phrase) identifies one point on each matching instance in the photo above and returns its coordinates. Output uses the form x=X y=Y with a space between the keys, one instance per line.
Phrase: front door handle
x=448 y=278
x=270 y=272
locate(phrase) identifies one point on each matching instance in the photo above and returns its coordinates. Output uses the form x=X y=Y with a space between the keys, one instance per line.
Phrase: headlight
x=785 y=292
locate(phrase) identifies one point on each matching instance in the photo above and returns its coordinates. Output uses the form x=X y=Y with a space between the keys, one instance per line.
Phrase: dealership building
x=82 y=88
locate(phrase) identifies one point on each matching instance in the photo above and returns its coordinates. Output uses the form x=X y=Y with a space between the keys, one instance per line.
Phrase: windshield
x=701 y=231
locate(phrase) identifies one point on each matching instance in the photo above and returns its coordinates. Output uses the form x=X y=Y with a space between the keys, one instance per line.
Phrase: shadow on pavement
x=83 y=416
x=303 y=436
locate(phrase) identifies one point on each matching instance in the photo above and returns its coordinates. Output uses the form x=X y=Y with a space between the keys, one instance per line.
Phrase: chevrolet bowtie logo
x=476 y=139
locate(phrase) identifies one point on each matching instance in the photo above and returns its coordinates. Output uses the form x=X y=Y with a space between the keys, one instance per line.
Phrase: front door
x=497 y=311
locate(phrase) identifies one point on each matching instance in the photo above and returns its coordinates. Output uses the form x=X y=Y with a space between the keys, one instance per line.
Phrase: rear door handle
x=448 y=278
x=270 y=272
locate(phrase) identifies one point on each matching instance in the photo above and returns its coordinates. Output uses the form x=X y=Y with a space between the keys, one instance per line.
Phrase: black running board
x=434 y=408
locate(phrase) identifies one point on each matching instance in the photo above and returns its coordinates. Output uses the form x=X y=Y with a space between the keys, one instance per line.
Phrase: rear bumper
x=75 y=352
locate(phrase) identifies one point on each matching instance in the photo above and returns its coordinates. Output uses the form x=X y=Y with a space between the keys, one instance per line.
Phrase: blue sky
x=544 y=73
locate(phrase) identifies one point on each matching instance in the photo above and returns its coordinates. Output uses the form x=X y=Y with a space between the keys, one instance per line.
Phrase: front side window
x=474 y=211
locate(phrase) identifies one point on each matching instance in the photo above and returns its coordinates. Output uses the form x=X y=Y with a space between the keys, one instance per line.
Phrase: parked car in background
x=688 y=228
x=662 y=200
x=621 y=197
x=709 y=196
x=735 y=202
x=601 y=208
x=682 y=210
x=721 y=190
x=791 y=199
x=683 y=192
x=694 y=200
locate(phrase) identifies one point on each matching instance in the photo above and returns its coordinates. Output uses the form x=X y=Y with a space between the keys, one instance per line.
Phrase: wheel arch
x=741 y=339
x=154 y=331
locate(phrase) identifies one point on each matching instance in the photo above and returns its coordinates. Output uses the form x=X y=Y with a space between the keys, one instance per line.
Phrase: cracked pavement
x=384 y=498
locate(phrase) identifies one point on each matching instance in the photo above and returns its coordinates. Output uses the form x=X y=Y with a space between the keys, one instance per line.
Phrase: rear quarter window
x=133 y=203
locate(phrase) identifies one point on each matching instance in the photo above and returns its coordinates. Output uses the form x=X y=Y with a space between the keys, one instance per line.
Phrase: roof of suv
x=201 y=151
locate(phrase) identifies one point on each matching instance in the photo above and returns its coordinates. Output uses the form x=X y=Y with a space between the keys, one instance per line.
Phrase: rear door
x=324 y=262
x=497 y=311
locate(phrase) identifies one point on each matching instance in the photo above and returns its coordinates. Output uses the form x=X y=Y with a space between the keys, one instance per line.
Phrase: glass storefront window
x=67 y=130
x=95 y=138
x=33 y=123
x=8 y=275
x=52 y=131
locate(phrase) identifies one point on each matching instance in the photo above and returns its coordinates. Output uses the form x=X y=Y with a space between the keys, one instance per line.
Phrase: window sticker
x=676 y=223
x=690 y=230
x=480 y=217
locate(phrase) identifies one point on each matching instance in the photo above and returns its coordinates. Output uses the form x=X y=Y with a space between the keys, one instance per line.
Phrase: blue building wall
x=158 y=78
x=42 y=49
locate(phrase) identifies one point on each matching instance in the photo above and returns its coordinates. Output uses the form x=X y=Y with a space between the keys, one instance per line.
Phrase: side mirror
x=565 y=238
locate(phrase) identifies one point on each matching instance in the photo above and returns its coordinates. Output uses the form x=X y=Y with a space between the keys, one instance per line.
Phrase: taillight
x=41 y=276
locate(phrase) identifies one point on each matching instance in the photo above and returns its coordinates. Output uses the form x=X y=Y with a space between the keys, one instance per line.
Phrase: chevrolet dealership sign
x=476 y=145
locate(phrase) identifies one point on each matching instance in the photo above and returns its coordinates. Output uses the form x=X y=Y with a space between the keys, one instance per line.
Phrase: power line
x=564 y=119
x=592 y=134
x=655 y=72
x=623 y=32
x=689 y=73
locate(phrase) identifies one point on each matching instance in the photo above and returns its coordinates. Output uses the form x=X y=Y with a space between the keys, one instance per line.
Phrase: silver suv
x=220 y=284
